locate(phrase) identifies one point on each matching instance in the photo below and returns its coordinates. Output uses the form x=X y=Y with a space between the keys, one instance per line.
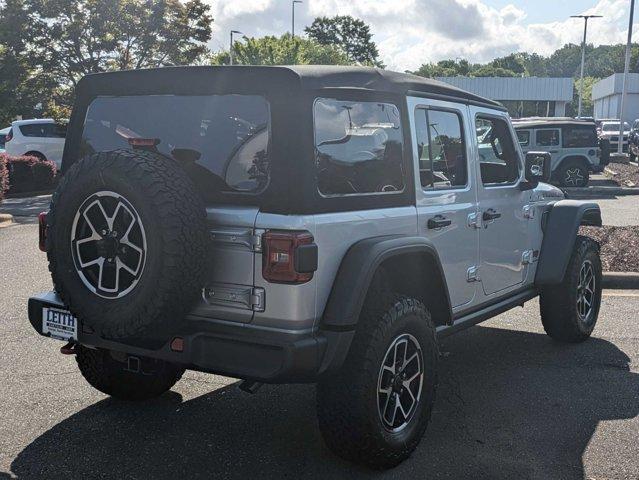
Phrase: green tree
x=351 y=34
x=284 y=50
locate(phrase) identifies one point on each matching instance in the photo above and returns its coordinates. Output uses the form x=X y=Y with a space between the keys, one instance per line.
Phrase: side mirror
x=537 y=167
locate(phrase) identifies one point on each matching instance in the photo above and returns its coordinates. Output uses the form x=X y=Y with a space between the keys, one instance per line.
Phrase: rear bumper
x=227 y=348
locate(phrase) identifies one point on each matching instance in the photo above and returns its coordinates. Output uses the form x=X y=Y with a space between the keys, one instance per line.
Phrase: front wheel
x=569 y=310
x=125 y=377
x=376 y=409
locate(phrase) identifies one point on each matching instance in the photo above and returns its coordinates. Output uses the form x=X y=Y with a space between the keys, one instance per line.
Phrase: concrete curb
x=5 y=219
x=594 y=192
x=621 y=280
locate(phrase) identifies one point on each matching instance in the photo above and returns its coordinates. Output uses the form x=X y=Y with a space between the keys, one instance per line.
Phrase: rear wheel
x=573 y=174
x=569 y=310
x=125 y=377
x=376 y=409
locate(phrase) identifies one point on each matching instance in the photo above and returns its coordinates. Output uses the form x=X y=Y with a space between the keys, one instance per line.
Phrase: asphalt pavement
x=511 y=404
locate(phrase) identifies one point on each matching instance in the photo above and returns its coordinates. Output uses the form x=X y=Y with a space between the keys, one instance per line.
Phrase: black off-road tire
x=113 y=376
x=174 y=220
x=558 y=303
x=573 y=166
x=347 y=402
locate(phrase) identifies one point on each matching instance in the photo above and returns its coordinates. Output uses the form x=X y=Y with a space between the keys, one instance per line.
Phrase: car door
x=549 y=140
x=503 y=242
x=445 y=196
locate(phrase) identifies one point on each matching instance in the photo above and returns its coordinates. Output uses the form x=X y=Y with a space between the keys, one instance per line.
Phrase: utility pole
x=583 y=58
x=625 y=79
x=293 y=19
x=231 y=47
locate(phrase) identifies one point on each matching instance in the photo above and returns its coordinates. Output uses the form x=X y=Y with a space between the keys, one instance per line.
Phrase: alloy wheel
x=108 y=244
x=586 y=292
x=400 y=382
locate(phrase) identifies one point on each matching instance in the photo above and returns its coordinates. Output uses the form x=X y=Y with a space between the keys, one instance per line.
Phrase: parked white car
x=3 y=134
x=41 y=138
x=610 y=132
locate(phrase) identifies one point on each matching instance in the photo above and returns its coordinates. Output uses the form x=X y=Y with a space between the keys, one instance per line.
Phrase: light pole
x=293 y=18
x=231 y=48
x=624 y=87
x=583 y=57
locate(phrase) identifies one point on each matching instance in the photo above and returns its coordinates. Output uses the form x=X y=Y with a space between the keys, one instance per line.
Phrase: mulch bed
x=626 y=174
x=619 y=247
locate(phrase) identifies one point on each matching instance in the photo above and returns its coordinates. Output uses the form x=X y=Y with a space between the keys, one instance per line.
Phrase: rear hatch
x=222 y=142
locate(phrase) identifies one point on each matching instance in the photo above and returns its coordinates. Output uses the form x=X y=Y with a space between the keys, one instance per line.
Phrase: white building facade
x=606 y=97
x=523 y=96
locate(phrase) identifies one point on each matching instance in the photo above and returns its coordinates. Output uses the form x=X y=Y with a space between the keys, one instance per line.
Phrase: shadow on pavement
x=510 y=404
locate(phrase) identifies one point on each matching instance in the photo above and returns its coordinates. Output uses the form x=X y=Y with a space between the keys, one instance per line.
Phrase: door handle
x=490 y=214
x=553 y=151
x=438 y=222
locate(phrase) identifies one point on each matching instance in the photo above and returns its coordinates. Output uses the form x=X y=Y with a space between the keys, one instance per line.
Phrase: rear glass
x=44 y=130
x=580 y=136
x=221 y=140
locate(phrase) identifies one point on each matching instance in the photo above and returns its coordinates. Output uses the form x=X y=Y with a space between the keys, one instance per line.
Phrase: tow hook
x=68 y=349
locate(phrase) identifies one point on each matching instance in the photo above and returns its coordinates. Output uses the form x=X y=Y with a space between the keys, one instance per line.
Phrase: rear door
x=502 y=204
x=549 y=140
x=446 y=199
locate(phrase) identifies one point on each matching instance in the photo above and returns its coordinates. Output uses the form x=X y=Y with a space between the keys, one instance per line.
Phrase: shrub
x=4 y=176
x=44 y=174
x=28 y=174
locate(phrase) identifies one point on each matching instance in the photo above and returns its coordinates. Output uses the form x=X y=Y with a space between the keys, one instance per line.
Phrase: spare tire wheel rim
x=108 y=245
x=399 y=384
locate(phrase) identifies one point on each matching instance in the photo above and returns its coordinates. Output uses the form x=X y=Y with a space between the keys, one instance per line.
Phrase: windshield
x=221 y=140
x=614 y=127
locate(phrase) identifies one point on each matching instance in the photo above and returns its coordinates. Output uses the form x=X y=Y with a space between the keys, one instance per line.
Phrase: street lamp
x=231 y=49
x=583 y=57
x=625 y=82
x=293 y=21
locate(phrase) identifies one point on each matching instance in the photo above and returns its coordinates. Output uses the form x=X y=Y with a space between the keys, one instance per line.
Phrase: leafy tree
x=284 y=50
x=351 y=34
x=445 y=68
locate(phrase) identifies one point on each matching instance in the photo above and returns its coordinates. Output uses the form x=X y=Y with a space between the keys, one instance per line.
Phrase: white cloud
x=412 y=32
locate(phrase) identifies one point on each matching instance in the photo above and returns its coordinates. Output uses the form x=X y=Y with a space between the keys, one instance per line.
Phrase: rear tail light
x=42 y=231
x=144 y=142
x=9 y=136
x=289 y=257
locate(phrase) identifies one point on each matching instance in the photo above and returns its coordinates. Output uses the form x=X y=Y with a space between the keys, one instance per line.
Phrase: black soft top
x=282 y=78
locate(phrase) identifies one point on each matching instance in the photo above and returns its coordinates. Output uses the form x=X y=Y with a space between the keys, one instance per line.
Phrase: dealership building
x=522 y=96
x=606 y=97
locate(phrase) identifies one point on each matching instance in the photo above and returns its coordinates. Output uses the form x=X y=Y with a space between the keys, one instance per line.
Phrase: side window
x=498 y=157
x=441 y=149
x=580 y=137
x=358 y=147
x=548 y=138
x=524 y=137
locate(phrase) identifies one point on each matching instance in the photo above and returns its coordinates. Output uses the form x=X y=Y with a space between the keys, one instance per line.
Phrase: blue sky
x=411 y=32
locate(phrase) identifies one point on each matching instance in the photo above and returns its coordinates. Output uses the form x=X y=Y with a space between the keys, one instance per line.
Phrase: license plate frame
x=59 y=323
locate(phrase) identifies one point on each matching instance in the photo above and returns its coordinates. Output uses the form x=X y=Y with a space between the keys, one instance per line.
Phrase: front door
x=503 y=239
x=549 y=140
x=445 y=193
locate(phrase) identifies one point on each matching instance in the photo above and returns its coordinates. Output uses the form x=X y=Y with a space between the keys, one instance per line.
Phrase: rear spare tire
x=126 y=243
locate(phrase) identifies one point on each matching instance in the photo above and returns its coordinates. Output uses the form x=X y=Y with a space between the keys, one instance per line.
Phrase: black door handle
x=438 y=222
x=490 y=214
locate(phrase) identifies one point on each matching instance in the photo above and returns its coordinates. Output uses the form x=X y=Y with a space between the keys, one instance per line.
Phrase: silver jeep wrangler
x=302 y=224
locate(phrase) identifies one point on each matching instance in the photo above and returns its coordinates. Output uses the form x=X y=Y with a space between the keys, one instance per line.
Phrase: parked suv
x=302 y=224
x=610 y=131
x=40 y=138
x=573 y=145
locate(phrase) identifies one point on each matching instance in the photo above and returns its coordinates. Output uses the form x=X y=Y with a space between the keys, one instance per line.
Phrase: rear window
x=580 y=137
x=358 y=147
x=44 y=130
x=221 y=140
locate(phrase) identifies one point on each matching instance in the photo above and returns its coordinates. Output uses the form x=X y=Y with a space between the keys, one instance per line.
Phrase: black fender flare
x=560 y=233
x=356 y=272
